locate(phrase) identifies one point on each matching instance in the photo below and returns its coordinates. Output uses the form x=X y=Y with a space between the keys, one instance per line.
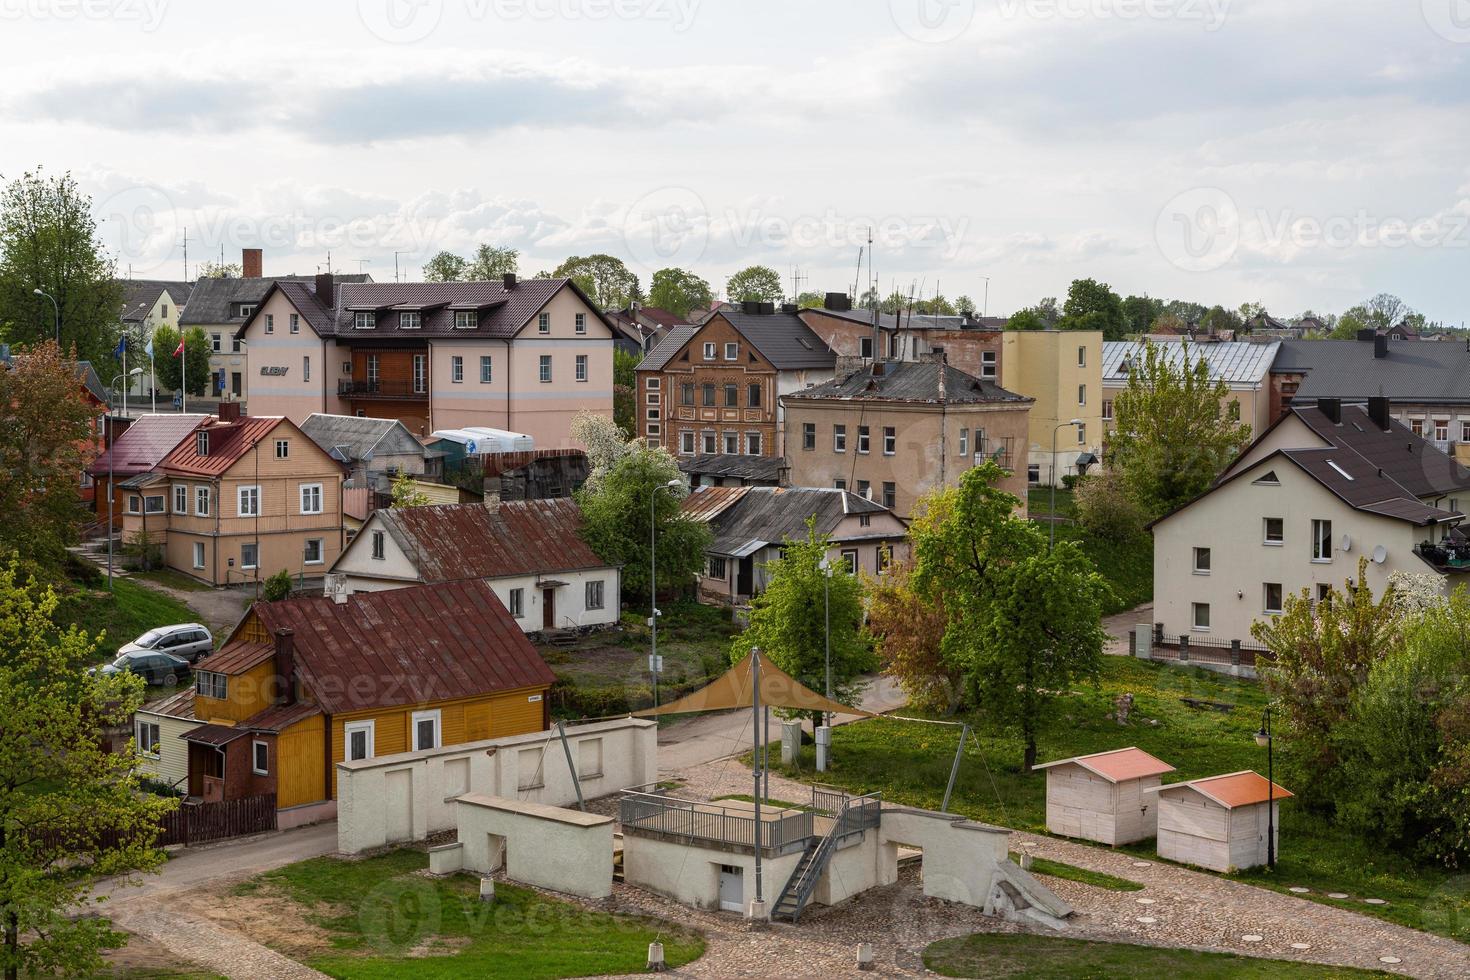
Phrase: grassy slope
x=1128 y=566
x=130 y=610
x=379 y=909
x=1048 y=957
x=910 y=763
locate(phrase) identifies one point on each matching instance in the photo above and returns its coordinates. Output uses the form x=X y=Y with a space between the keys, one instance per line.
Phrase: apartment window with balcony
x=295 y=320
x=456 y=369
x=1271 y=604
x=311 y=498
x=752 y=443
x=709 y=395
x=581 y=367
x=581 y=323
x=808 y=435
x=1441 y=430
x=420 y=373
x=753 y=396
x=364 y=320
x=543 y=323
x=890 y=494
x=710 y=445
x=1322 y=541
x=864 y=440
x=1200 y=618
x=839 y=438
x=732 y=396
x=545 y=369
x=686 y=394
x=486 y=369
x=1202 y=561
x=410 y=320
x=732 y=443
x=1273 y=531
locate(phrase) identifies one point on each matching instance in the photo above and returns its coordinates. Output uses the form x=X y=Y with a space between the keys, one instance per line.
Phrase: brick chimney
x=1378 y=412
x=326 y=289
x=251 y=263
x=286 y=666
x=229 y=411
x=508 y=281
x=1332 y=408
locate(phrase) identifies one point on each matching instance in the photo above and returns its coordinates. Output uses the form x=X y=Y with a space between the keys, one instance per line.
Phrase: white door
x=732 y=889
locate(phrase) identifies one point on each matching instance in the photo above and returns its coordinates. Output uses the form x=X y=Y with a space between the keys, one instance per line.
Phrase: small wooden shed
x=1218 y=822
x=1101 y=796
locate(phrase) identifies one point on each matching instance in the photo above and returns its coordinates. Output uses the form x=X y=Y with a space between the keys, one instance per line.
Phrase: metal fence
x=1207 y=650
x=717 y=823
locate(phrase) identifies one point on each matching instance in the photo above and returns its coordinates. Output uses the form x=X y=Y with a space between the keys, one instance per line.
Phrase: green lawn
x=1038 y=502
x=1096 y=879
x=172 y=579
x=130 y=610
x=388 y=921
x=1127 y=566
x=910 y=764
x=1056 y=958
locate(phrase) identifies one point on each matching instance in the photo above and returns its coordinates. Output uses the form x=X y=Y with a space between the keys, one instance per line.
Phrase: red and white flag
x=179 y=350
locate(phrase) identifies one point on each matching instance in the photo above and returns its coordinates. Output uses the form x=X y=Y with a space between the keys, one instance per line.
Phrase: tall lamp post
x=653 y=580
x=129 y=375
x=826 y=566
x=1051 y=522
x=1265 y=740
x=54 y=308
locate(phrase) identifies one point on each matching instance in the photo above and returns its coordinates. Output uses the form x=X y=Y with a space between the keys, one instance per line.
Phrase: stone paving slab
x=202 y=941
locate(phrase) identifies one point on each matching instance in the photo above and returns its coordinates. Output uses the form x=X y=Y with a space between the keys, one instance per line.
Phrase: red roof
x=406 y=646
x=1234 y=789
x=463 y=541
x=228 y=443
x=1117 y=765
x=144 y=445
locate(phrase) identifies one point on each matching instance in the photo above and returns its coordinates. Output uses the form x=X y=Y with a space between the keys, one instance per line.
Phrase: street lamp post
x=55 y=309
x=1265 y=739
x=653 y=581
x=1051 y=522
x=826 y=566
x=110 y=440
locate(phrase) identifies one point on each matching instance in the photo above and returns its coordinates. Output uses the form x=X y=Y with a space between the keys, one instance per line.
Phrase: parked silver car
x=187 y=640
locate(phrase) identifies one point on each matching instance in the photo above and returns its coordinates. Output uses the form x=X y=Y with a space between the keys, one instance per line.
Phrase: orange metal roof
x=1117 y=765
x=228 y=442
x=707 y=503
x=1234 y=789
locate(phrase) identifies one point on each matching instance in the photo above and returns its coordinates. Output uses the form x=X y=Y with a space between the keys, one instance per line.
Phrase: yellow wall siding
x=513 y=714
x=299 y=762
x=250 y=693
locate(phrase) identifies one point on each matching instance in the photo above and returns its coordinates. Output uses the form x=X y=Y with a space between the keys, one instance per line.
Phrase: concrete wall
x=960 y=857
x=546 y=846
x=690 y=873
x=411 y=795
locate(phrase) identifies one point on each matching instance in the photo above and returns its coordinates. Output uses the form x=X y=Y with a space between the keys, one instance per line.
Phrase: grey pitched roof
x=770 y=515
x=672 y=343
x=360 y=438
x=213 y=301
x=1433 y=373
x=1236 y=363
x=911 y=381
x=140 y=296
x=763 y=468
x=784 y=339
x=915 y=321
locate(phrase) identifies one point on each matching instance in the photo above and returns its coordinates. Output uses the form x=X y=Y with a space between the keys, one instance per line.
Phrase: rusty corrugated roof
x=179 y=704
x=237 y=658
x=212 y=734
x=1117 y=765
x=406 y=646
x=706 y=503
x=448 y=542
x=278 y=718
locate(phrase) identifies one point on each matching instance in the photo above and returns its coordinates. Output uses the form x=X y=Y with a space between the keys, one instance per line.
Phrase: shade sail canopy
x=733 y=690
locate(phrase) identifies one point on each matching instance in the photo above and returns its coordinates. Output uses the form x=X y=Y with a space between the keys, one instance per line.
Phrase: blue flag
x=122 y=346
x=148 y=348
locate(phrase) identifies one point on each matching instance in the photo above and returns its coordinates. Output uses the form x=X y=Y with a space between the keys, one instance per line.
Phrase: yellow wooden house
x=303 y=684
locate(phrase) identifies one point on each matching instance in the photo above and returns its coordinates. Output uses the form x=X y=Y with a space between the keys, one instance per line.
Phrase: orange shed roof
x=1117 y=765
x=1234 y=789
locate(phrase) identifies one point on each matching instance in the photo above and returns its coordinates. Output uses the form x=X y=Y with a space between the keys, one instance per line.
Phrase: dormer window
x=201 y=443
x=465 y=320
x=247 y=308
x=410 y=320
x=364 y=320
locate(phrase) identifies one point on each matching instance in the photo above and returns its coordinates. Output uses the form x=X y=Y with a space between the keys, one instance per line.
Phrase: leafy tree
x=788 y=621
x=758 y=283
x=46 y=439
x=811 y=299
x=1168 y=323
x=492 y=262
x=445 y=267
x=70 y=811
x=604 y=278
x=406 y=492
x=1092 y=305
x=168 y=368
x=908 y=630
x=1027 y=319
x=615 y=521
x=220 y=270
x=48 y=241
x=278 y=586
x=625 y=390
x=935 y=306
x=1218 y=319
x=1024 y=622
x=1105 y=508
x=1140 y=312
x=965 y=304
x=679 y=291
x=1175 y=432
x=606 y=444
x=1386 y=310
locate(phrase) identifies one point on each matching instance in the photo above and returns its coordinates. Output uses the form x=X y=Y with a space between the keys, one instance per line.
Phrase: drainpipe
x=509 y=377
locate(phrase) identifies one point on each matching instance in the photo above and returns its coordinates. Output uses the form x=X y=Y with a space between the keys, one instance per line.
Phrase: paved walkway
x=1119 y=628
x=202 y=941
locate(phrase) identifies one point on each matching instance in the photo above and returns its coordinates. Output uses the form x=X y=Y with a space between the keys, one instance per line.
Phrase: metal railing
x=384 y=389
x=1208 y=650
x=853 y=816
x=831 y=811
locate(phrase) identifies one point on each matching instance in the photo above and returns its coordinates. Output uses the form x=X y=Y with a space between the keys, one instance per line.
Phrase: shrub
x=278 y=586
x=1105 y=508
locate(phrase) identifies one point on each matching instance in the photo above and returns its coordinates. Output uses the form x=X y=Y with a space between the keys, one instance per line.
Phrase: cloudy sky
x=1301 y=153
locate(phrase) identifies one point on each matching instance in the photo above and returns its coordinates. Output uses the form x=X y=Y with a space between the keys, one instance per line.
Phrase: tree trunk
x=1030 y=759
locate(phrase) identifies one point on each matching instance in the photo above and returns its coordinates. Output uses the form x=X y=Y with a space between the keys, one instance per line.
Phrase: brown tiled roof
x=144 y=445
x=661 y=316
x=406 y=646
x=228 y=442
x=461 y=541
x=238 y=657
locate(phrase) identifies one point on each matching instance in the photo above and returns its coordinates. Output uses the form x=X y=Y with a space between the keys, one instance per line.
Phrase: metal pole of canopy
x=766 y=754
x=571 y=767
x=755 y=701
x=954 y=770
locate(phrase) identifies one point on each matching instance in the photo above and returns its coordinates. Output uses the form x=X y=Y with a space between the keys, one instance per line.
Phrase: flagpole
x=126 y=380
x=152 y=379
x=183 y=374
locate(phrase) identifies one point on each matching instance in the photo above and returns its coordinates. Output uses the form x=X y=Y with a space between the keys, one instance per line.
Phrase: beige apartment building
x=894 y=430
x=521 y=356
x=240 y=499
x=1061 y=370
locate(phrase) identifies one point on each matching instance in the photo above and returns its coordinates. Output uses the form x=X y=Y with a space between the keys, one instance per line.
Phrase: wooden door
x=548 y=609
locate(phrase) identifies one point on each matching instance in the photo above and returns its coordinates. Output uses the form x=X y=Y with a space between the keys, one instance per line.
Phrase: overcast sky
x=1302 y=153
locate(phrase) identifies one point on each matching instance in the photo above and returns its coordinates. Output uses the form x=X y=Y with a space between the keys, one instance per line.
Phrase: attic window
x=1269 y=480
x=1340 y=471
x=805 y=343
x=201 y=443
x=364 y=320
x=1126 y=366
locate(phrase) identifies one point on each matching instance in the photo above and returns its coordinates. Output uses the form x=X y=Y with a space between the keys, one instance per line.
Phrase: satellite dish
x=1380 y=555
x=1347 y=543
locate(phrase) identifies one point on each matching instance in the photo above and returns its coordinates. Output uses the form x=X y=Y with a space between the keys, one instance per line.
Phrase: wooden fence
x=200 y=823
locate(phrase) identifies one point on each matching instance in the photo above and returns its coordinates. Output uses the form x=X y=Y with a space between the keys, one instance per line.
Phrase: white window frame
x=839 y=438
x=152 y=747
x=369 y=728
x=581 y=323
x=710 y=441
x=198 y=555
x=270 y=325
x=987 y=365
x=321 y=550
x=295 y=322
x=595 y=594
x=135 y=504
x=201 y=502
x=217 y=684
x=1082 y=394
x=379 y=550
x=686 y=442
x=283 y=449
x=1265 y=598
x=965 y=441
x=429 y=714
x=1194 y=561
x=709 y=350
x=243 y=562
x=1321 y=543
x=543 y=323
x=247 y=501
x=256 y=744
x=652 y=384
x=732 y=350
x=216 y=343
x=465 y=320
x=543 y=369
x=752 y=443
x=515 y=603
x=410 y=320
x=364 y=320
x=487 y=369
x=303 y=490
x=581 y=366
x=864 y=440
x=1266 y=532
x=456 y=369
x=850 y=557
x=731 y=442
x=1082 y=357
x=1194 y=609
x=181 y=498
x=306 y=368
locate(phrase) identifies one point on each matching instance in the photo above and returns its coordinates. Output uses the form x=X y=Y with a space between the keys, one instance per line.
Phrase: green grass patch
x=1097 y=879
x=910 y=763
x=127 y=612
x=1128 y=566
x=171 y=578
x=1038 y=503
x=1057 y=958
x=388 y=921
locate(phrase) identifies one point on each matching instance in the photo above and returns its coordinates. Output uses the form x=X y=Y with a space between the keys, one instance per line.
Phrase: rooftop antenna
x=857 y=276
x=361 y=264
x=395 y=265
x=186 y=254
x=796 y=280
